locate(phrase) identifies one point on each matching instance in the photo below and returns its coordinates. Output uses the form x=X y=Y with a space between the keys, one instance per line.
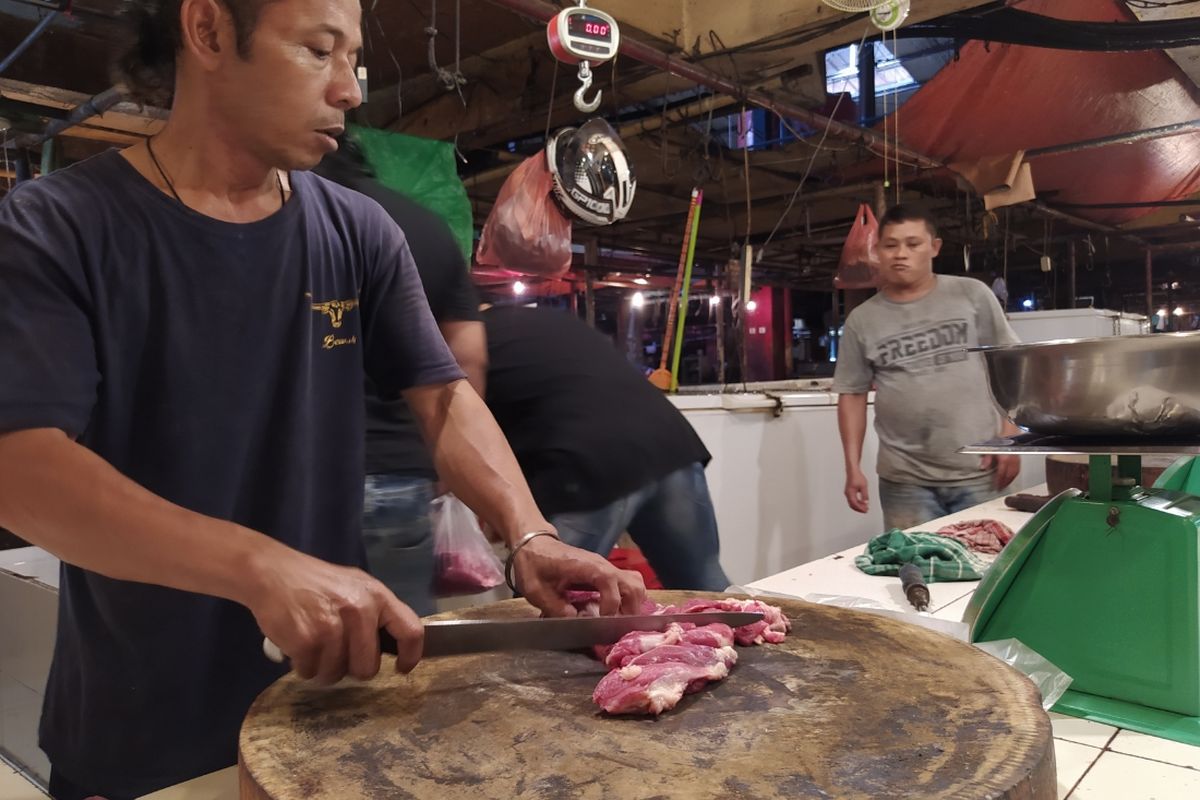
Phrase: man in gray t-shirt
x=931 y=397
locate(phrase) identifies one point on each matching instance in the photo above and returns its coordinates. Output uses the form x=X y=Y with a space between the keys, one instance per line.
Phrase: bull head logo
x=334 y=310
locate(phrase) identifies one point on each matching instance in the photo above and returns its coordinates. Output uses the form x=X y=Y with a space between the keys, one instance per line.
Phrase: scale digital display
x=578 y=35
x=589 y=26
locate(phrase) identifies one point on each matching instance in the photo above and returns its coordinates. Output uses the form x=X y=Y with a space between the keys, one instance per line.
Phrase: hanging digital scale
x=583 y=36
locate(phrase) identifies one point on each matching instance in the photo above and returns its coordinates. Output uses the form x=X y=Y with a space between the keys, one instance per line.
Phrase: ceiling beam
x=124 y=116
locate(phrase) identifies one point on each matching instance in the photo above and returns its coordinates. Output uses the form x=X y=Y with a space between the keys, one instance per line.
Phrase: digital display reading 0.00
x=588 y=27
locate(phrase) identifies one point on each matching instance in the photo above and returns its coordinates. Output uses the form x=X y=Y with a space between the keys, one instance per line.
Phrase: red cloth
x=981 y=535
x=625 y=558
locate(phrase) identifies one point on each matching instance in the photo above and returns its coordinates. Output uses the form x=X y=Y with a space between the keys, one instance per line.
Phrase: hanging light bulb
x=518 y=288
x=1179 y=311
x=715 y=300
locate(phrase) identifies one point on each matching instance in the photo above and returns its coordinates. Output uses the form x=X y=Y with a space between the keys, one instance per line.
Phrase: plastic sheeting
x=424 y=170
x=998 y=99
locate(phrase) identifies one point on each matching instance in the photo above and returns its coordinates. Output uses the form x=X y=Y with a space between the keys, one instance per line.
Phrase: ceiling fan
x=887 y=15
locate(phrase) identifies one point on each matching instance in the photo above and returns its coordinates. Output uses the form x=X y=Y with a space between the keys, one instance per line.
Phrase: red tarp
x=1020 y=98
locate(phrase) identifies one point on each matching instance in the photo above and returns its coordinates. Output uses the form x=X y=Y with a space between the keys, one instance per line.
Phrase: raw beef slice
x=655 y=681
x=634 y=644
x=771 y=629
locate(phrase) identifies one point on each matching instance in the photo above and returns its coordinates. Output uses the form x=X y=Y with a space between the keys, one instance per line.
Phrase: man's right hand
x=327 y=618
x=857 y=492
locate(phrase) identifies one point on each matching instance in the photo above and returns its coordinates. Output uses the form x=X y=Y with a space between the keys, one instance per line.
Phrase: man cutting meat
x=909 y=341
x=185 y=326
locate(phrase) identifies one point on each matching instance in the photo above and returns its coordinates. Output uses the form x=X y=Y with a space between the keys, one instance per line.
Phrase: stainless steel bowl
x=1113 y=386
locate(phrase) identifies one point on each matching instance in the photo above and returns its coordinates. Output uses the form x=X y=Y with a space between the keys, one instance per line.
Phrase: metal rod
x=1149 y=284
x=544 y=12
x=1071 y=274
x=1054 y=213
x=1144 y=135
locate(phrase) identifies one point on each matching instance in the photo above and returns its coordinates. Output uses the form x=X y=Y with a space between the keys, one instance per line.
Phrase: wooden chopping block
x=851 y=705
x=1071 y=471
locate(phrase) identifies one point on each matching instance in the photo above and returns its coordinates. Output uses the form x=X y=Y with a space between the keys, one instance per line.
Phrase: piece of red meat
x=466 y=572
x=634 y=644
x=654 y=682
x=631 y=645
x=772 y=628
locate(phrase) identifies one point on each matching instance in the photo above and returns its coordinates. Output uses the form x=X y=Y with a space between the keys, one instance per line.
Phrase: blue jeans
x=671 y=520
x=398 y=536
x=906 y=505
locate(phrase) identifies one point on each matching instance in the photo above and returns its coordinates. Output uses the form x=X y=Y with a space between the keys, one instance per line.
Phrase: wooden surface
x=850 y=706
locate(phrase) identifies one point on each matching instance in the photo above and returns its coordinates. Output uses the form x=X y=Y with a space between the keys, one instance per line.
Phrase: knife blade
x=457 y=637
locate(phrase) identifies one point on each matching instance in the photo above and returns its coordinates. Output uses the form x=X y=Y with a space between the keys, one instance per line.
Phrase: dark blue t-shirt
x=220 y=366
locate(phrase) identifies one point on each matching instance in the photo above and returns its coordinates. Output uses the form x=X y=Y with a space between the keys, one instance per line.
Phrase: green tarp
x=424 y=170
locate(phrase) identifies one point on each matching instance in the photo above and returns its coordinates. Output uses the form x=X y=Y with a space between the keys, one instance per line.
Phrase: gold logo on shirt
x=334 y=309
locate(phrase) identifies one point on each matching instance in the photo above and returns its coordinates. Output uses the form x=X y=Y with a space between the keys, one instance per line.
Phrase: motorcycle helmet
x=593 y=180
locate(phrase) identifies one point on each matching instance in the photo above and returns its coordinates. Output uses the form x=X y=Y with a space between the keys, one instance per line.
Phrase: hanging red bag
x=859 y=265
x=526 y=232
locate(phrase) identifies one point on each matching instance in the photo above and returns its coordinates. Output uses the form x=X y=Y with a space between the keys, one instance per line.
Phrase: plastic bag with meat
x=859 y=264
x=464 y=561
x=525 y=231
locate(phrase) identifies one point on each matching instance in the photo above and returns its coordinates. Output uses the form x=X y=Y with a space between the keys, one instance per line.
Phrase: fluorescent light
x=638 y=300
x=518 y=288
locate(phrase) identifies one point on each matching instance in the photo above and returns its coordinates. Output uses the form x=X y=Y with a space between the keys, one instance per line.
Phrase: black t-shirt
x=394 y=443
x=221 y=367
x=586 y=427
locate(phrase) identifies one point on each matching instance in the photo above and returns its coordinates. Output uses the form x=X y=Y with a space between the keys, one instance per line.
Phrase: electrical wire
x=812 y=159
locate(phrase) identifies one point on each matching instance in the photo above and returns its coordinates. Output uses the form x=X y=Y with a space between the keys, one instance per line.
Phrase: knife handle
x=387 y=644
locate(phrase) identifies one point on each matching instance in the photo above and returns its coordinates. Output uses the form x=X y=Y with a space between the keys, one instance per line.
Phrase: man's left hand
x=546 y=568
x=1007 y=468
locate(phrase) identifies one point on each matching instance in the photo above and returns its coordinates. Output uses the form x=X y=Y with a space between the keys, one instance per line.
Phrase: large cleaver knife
x=455 y=637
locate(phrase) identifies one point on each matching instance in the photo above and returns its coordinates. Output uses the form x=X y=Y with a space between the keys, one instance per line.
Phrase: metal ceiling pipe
x=1144 y=135
x=544 y=12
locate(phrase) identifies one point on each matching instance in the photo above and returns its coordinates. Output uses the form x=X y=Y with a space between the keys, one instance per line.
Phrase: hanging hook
x=585 y=80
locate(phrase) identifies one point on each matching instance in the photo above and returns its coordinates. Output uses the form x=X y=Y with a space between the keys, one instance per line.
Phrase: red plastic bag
x=859 y=265
x=526 y=232
x=465 y=562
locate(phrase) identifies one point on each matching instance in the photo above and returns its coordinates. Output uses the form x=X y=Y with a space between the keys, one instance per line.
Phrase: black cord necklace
x=171 y=186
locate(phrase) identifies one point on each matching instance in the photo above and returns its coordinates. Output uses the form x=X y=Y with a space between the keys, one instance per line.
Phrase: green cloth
x=939 y=558
x=424 y=170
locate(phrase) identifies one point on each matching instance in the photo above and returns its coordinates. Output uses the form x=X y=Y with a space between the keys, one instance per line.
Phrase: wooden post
x=589 y=299
x=591 y=260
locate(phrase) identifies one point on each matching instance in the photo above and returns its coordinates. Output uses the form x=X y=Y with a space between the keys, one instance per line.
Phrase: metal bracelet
x=512 y=554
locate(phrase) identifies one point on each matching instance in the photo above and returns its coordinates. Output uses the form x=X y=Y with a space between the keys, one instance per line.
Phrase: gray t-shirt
x=931 y=397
